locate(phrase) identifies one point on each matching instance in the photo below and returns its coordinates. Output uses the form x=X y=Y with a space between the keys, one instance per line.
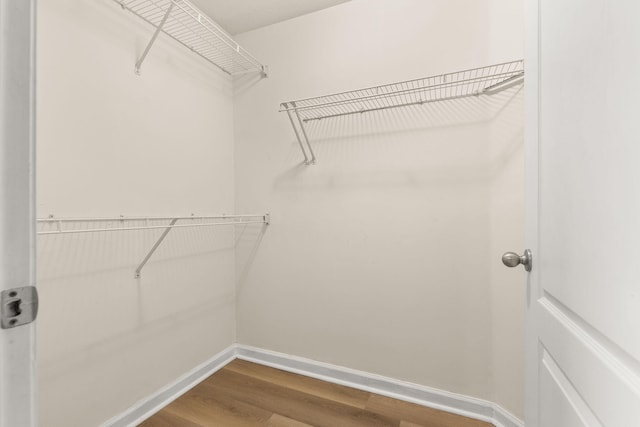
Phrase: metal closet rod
x=235 y=220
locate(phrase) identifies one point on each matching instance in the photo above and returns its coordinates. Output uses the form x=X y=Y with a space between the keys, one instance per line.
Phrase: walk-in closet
x=296 y=213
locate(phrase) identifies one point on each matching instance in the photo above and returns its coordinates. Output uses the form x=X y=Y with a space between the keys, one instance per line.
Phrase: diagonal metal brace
x=504 y=84
x=302 y=135
x=153 y=38
x=155 y=247
x=295 y=129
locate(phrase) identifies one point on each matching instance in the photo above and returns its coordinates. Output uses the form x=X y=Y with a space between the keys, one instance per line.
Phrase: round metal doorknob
x=512 y=259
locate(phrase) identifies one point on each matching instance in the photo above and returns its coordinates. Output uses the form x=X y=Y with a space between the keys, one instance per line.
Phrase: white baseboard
x=152 y=404
x=439 y=399
x=504 y=418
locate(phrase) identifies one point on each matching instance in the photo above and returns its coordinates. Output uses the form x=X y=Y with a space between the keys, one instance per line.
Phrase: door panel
x=583 y=172
x=589 y=163
x=603 y=383
x=561 y=404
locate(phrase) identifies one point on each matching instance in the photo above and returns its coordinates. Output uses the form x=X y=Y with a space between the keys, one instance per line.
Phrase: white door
x=583 y=227
x=17 y=214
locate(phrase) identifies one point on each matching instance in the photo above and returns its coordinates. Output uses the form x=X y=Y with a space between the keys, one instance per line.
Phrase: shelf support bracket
x=504 y=84
x=155 y=247
x=295 y=129
x=153 y=38
x=304 y=134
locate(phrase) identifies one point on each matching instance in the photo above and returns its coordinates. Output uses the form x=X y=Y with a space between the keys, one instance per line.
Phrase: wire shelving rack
x=487 y=80
x=190 y=27
x=52 y=226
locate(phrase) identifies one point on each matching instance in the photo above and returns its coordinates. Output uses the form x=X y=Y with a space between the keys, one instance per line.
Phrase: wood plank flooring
x=244 y=394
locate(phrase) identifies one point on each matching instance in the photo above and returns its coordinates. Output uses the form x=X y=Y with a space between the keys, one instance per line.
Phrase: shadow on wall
x=99 y=324
x=248 y=240
x=93 y=299
x=507 y=133
x=444 y=143
x=243 y=83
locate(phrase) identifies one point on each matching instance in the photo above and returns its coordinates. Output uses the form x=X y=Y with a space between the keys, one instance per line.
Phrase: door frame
x=18 y=363
x=532 y=146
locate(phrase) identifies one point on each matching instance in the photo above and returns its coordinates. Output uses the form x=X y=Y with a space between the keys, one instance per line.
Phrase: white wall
x=384 y=257
x=111 y=143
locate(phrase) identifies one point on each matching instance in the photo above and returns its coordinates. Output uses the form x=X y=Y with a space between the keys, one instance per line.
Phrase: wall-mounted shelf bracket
x=488 y=80
x=303 y=141
x=155 y=247
x=504 y=84
x=153 y=38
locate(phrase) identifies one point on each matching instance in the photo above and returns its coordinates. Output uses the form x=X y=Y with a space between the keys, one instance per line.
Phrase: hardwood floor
x=244 y=394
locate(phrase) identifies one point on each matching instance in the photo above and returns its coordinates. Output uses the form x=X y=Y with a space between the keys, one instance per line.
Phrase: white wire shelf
x=473 y=82
x=54 y=225
x=51 y=226
x=190 y=27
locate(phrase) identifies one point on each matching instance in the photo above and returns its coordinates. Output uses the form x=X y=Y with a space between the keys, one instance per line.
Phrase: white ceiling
x=238 y=16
